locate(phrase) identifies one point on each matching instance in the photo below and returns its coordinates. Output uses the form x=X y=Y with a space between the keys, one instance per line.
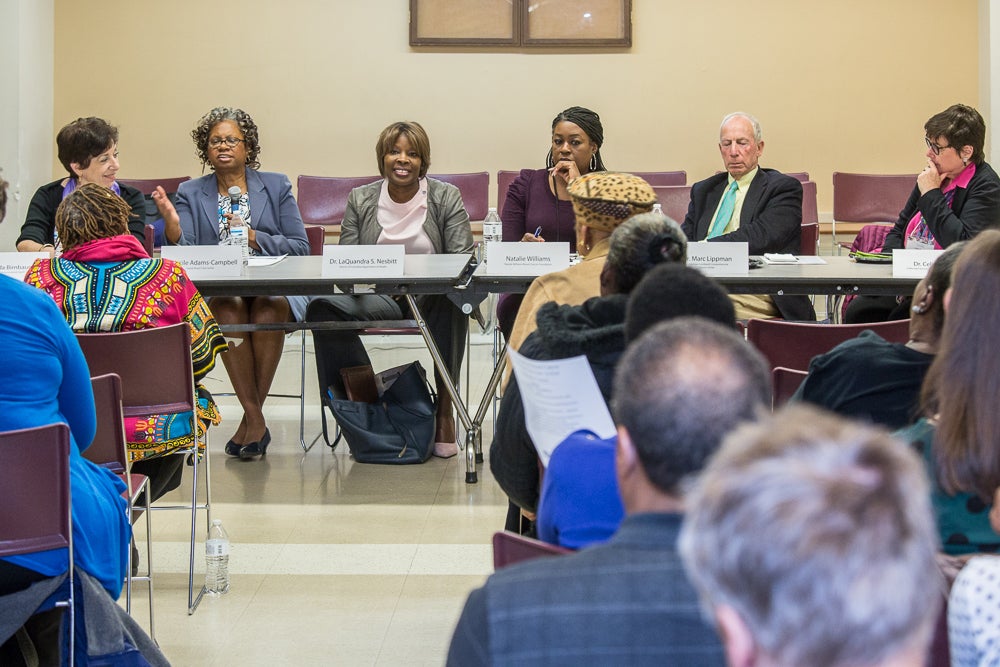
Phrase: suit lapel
x=210 y=200
x=712 y=200
x=750 y=200
x=258 y=199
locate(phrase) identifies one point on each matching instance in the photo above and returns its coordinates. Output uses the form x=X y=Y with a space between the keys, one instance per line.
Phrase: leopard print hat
x=605 y=199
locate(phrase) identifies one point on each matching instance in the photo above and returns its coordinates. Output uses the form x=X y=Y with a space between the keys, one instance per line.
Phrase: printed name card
x=206 y=261
x=16 y=264
x=913 y=263
x=526 y=259
x=363 y=261
x=719 y=259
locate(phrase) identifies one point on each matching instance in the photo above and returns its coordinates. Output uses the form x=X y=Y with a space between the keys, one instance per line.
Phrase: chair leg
x=149 y=568
x=194 y=601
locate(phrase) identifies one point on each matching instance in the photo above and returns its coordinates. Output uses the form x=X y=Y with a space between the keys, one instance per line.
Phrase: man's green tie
x=725 y=213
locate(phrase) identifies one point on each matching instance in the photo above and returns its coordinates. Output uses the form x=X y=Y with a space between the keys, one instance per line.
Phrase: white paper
x=513 y=258
x=16 y=264
x=559 y=396
x=913 y=263
x=719 y=259
x=779 y=258
x=810 y=259
x=363 y=261
x=258 y=260
x=206 y=261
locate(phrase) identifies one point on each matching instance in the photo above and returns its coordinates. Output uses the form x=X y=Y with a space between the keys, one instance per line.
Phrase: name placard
x=719 y=259
x=206 y=261
x=363 y=261
x=16 y=264
x=516 y=258
x=913 y=263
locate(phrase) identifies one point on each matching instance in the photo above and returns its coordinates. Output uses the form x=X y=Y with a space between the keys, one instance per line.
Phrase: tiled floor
x=332 y=562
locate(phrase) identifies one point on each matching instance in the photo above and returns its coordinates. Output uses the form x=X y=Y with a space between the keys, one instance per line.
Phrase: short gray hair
x=642 y=242
x=758 y=134
x=818 y=532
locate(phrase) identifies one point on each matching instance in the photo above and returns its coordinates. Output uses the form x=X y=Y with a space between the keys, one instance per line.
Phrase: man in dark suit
x=679 y=389
x=751 y=204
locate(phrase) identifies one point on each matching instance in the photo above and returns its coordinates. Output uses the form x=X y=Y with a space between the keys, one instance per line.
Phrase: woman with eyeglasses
x=227 y=141
x=88 y=150
x=957 y=195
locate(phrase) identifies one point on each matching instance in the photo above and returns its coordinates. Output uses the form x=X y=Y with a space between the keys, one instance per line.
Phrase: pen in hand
x=538 y=232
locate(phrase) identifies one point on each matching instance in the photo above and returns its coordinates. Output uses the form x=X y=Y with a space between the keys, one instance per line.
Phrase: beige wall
x=842 y=85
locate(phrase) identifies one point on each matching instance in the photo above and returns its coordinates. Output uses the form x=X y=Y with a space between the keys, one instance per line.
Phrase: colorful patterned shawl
x=112 y=285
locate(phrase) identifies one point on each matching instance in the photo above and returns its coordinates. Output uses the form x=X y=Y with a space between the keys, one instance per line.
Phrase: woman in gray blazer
x=425 y=215
x=227 y=141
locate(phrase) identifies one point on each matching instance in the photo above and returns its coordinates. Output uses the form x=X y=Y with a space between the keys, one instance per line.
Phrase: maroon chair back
x=801 y=176
x=504 y=179
x=810 y=206
x=475 y=189
x=149 y=238
x=663 y=177
x=108 y=447
x=794 y=344
x=810 y=238
x=323 y=199
x=870 y=197
x=169 y=390
x=34 y=489
x=317 y=237
x=147 y=185
x=510 y=548
x=784 y=383
x=674 y=199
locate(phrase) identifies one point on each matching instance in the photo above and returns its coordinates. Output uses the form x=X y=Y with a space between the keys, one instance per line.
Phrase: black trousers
x=342 y=349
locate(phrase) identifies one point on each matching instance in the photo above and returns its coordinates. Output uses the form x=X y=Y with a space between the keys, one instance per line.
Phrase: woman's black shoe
x=233 y=449
x=254 y=449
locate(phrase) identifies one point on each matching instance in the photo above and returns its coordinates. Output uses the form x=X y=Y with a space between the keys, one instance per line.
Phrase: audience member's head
x=675 y=290
x=812 y=542
x=83 y=140
x=637 y=245
x=963 y=383
x=602 y=200
x=927 y=318
x=91 y=212
x=679 y=389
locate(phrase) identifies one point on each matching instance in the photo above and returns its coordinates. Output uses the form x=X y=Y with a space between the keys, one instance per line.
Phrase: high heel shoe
x=233 y=449
x=254 y=449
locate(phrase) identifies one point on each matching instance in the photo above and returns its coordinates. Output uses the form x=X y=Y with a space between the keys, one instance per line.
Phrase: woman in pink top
x=423 y=214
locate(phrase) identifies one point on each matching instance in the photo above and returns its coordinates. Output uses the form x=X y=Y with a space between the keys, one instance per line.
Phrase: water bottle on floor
x=217 y=560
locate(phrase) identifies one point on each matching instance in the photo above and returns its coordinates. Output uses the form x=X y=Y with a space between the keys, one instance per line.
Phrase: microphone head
x=234 y=194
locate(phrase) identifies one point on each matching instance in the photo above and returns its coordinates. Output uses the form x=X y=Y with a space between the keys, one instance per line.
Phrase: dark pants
x=867 y=309
x=164 y=473
x=342 y=349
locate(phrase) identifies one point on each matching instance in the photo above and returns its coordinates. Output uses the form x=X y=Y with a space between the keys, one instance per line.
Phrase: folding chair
x=35 y=491
x=510 y=548
x=784 y=383
x=504 y=179
x=167 y=389
x=868 y=198
x=110 y=451
x=674 y=200
x=154 y=223
x=475 y=189
x=656 y=178
x=322 y=200
x=794 y=344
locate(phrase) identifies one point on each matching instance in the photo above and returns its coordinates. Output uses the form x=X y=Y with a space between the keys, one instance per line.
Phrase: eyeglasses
x=934 y=147
x=232 y=142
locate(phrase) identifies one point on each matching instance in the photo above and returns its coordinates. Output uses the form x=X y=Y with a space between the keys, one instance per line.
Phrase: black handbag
x=399 y=428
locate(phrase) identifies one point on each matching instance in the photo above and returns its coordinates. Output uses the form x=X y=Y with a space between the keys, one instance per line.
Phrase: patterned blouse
x=112 y=285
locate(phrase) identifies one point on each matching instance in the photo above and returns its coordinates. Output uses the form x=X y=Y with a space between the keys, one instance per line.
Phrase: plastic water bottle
x=657 y=208
x=238 y=237
x=217 y=560
x=492 y=230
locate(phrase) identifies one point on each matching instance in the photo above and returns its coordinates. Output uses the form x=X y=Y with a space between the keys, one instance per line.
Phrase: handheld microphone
x=234 y=200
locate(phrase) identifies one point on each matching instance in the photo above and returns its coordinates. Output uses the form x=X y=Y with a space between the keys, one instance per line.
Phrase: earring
x=549 y=161
x=593 y=162
x=965 y=162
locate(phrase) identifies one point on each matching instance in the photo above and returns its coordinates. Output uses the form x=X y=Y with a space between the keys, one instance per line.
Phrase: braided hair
x=91 y=212
x=590 y=123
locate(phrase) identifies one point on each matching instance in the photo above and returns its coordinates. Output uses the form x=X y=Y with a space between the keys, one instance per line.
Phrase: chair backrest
x=870 y=197
x=131 y=354
x=810 y=239
x=784 y=383
x=663 y=177
x=475 y=189
x=794 y=344
x=810 y=205
x=34 y=490
x=317 y=237
x=510 y=548
x=108 y=447
x=674 y=199
x=504 y=179
x=323 y=199
x=801 y=176
x=147 y=185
